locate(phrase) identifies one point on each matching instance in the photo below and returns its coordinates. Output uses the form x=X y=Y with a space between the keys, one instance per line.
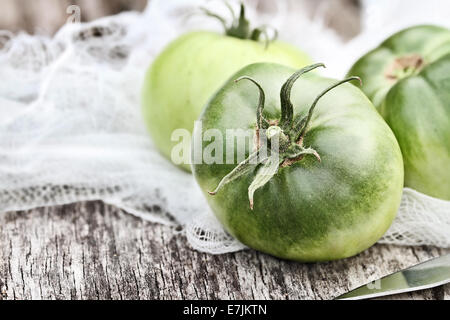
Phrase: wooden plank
x=95 y=251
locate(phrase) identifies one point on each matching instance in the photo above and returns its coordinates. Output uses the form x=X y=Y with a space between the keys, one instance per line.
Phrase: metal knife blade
x=426 y=275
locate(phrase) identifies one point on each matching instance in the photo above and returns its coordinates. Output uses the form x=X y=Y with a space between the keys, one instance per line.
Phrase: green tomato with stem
x=324 y=178
x=188 y=72
x=408 y=79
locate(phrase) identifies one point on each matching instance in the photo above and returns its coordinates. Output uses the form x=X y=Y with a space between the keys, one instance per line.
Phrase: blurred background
x=47 y=16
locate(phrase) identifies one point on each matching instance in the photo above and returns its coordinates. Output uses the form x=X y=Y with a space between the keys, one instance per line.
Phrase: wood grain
x=96 y=251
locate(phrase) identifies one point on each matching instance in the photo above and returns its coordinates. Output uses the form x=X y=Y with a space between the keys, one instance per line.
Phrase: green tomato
x=188 y=72
x=340 y=176
x=408 y=79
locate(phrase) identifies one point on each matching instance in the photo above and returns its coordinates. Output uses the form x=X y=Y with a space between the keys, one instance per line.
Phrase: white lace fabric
x=71 y=127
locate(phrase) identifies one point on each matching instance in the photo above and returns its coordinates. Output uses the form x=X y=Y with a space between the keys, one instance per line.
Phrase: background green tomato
x=310 y=210
x=191 y=69
x=408 y=78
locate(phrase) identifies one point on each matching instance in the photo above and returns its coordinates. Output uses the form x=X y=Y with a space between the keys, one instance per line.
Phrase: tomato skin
x=309 y=211
x=187 y=73
x=416 y=105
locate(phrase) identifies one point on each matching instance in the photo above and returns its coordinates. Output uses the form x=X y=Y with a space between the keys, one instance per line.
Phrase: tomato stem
x=242 y=168
x=240 y=26
x=268 y=169
x=283 y=143
x=287 y=109
x=211 y=14
x=261 y=122
x=263 y=30
x=305 y=125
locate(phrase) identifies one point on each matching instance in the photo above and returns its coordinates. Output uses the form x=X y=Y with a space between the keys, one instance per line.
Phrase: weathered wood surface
x=95 y=251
